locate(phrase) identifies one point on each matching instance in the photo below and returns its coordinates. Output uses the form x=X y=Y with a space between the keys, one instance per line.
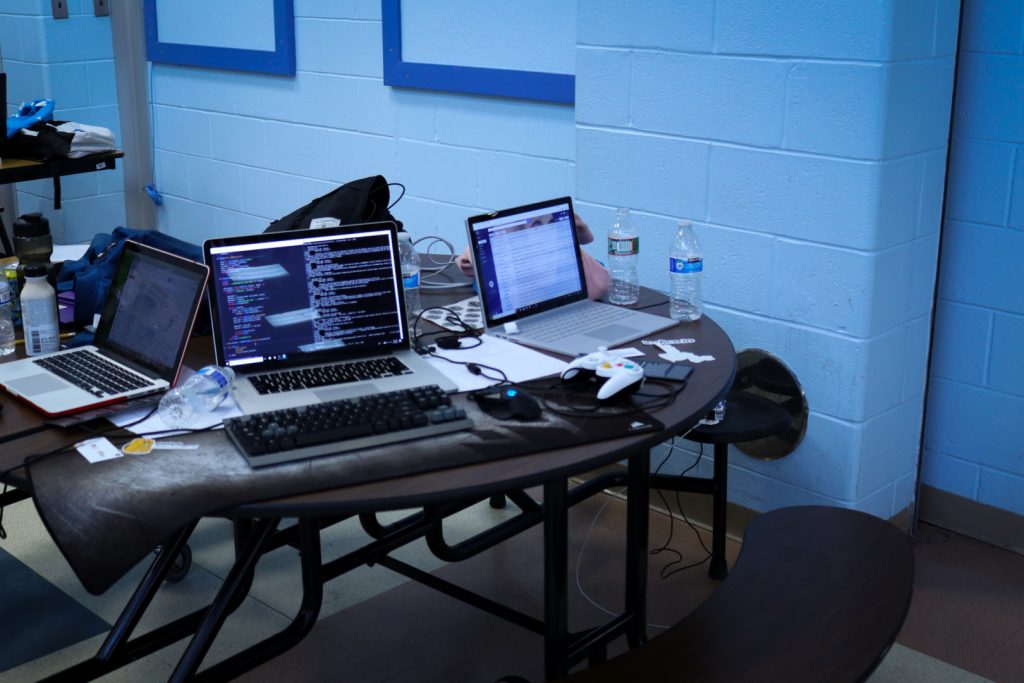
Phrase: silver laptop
x=529 y=272
x=140 y=339
x=311 y=316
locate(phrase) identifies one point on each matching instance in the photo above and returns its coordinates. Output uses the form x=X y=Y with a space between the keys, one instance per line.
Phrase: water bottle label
x=685 y=265
x=623 y=246
x=411 y=280
x=5 y=292
x=216 y=375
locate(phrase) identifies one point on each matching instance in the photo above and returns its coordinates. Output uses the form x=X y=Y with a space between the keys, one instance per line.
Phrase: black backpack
x=360 y=201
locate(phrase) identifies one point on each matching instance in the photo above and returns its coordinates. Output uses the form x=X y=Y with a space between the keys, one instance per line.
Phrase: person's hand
x=465 y=263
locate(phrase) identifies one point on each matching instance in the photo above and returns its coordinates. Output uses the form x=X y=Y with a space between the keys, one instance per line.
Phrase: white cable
x=437 y=267
x=593 y=523
x=579 y=562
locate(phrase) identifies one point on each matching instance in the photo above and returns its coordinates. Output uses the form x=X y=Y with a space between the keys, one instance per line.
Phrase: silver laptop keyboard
x=92 y=372
x=326 y=375
x=578 y=321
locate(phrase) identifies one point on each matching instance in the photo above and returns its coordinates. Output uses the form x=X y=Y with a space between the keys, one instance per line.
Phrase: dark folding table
x=433 y=495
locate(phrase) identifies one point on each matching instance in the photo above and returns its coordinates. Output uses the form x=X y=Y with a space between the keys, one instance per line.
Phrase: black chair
x=765 y=417
x=817 y=594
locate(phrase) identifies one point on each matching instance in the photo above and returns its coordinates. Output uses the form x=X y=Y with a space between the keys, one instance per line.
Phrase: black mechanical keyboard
x=92 y=372
x=346 y=425
x=326 y=375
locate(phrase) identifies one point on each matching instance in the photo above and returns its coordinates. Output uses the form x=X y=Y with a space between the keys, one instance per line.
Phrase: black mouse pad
x=106 y=517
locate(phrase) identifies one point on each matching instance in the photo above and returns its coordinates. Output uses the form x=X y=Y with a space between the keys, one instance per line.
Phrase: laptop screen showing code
x=292 y=300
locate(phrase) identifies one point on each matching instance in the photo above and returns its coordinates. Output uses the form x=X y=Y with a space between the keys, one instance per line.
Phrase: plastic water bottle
x=410 y=275
x=685 y=265
x=183 y=406
x=623 y=252
x=6 y=318
x=39 y=312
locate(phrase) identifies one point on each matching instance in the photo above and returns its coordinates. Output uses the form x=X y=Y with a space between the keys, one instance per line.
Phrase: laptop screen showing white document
x=149 y=310
x=140 y=340
x=527 y=260
x=529 y=269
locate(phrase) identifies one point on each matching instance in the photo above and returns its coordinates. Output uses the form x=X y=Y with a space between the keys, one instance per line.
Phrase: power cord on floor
x=664 y=574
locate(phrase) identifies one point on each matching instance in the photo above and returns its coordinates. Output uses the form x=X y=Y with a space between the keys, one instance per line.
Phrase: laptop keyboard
x=568 y=323
x=93 y=373
x=326 y=375
x=346 y=425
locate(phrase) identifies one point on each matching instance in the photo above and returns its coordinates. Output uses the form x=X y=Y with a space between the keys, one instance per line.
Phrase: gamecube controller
x=621 y=373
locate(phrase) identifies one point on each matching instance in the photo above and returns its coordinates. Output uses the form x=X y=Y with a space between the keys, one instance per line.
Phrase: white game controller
x=622 y=373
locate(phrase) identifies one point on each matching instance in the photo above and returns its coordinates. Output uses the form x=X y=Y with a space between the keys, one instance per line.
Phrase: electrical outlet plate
x=60 y=9
x=101 y=8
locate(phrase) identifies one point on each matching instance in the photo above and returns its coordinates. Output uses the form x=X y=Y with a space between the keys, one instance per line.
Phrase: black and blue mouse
x=507 y=403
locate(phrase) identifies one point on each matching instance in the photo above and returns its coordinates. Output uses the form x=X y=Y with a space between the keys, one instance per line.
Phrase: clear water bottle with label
x=686 y=265
x=623 y=252
x=39 y=312
x=410 y=275
x=6 y=318
x=183 y=406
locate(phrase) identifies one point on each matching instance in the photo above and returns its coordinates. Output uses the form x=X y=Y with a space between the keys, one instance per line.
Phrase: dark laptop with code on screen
x=286 y=304
x=313 y=322
x=529 y=272
x=139 y=344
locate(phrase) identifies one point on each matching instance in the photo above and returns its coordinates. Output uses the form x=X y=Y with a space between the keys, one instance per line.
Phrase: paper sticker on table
x=674 y=355
x=467 y=309
x=97 y=450
x=659 y=342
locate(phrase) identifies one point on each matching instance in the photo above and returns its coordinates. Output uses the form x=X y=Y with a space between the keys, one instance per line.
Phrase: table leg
x=556 y=578
x=238 y=580
x=637 y=507
x=718 y=569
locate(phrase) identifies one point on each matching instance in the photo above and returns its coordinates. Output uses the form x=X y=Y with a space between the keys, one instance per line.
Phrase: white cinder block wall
x=72 y=62
x=807 y=142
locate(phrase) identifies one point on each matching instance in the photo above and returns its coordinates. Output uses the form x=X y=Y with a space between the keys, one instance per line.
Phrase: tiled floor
x=966 y=620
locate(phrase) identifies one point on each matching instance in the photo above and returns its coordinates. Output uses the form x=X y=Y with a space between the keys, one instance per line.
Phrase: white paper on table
x=68 y=252
x=518 y=362
x=154 y=424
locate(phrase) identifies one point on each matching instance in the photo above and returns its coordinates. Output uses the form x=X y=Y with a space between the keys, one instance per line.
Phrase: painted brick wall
x=807 y=142
x=70 y=61
x=236 y=151
x=974 y=432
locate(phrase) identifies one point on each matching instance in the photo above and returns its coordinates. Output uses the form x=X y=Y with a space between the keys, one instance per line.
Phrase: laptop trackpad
x=340 y=392
x=610 y=332
x=33 y=385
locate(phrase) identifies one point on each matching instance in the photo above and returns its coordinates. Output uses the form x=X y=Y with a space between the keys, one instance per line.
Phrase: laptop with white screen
x=310 y=316
x=529 y=271
x=139 y=344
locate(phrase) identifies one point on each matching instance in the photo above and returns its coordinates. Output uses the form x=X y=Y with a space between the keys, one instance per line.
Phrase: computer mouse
x=507 y=403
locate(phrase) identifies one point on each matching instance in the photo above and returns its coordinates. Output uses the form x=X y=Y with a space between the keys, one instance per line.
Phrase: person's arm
x=597 y=276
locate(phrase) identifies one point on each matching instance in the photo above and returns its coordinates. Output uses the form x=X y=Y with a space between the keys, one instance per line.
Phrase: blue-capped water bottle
x=183 y=406
x=686 y=264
